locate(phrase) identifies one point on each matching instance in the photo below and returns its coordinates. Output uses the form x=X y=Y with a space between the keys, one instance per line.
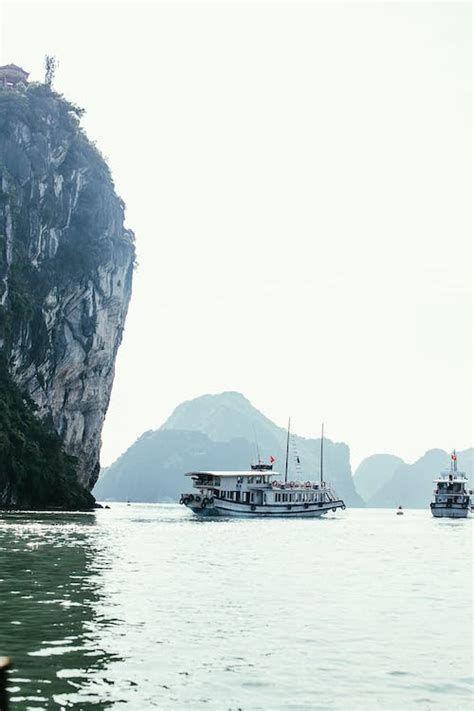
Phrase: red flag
x=453 y=457
x=272 y=459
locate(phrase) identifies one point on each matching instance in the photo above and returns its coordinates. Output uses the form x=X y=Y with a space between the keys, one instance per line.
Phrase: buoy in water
x=400 y=511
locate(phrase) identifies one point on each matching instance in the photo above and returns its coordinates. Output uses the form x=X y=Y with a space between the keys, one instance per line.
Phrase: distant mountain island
x=217 y=432
x=220 y=432
x=375 y=471
x=411 y=485
x=153 y=468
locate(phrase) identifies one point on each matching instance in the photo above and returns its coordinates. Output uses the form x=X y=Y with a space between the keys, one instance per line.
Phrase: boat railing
x=299 y=485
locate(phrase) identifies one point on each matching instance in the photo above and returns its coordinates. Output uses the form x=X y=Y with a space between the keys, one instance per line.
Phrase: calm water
x=145 y=606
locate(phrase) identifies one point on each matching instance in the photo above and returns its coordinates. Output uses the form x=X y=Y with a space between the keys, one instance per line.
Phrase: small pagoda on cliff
x=11 y=75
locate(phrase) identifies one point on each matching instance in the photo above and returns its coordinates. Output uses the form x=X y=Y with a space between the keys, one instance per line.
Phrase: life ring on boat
x=190 y=498
x=181 y=501
x=307 y=484
x=274 y=482
x=334 y=510
x=343 y=507
x=197 y=498
x=205 y=502
x=211 y=500
x=292 y=484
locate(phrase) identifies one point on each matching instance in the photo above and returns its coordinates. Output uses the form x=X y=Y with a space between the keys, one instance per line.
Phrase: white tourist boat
x=451 y=499
x=259 y=492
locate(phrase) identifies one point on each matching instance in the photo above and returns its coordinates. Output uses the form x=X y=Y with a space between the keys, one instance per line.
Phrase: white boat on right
x=451 y=499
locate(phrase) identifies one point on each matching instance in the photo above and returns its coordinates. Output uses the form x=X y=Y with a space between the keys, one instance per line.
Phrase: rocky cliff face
x=66 y=264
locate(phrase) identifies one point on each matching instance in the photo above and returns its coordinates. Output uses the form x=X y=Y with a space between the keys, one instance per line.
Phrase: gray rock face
x=373 y=472
x=66 y=265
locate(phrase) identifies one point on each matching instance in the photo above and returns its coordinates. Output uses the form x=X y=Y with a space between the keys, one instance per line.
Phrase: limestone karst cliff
x=66 y=265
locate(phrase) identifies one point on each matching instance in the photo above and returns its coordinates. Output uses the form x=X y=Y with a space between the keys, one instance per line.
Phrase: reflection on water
x=147 y=606
x=51 y=623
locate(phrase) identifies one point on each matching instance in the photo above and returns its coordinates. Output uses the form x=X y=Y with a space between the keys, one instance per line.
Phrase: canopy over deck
x=233 y=474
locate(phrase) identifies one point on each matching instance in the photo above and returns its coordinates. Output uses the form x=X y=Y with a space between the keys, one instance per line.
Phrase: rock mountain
x=375 y=471
x=66 y=265
x=217 y=432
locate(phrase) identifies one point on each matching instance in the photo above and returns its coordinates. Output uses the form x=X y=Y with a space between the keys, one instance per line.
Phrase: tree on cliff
x=50 y=66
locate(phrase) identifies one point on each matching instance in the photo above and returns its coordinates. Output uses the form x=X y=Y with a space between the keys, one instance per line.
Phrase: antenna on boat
x=256 y=444
x=287 y=450
x=321 y=451
x=454 y=461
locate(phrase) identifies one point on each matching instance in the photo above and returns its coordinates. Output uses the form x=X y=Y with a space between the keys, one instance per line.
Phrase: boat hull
x=233 y=509
x=449 y=512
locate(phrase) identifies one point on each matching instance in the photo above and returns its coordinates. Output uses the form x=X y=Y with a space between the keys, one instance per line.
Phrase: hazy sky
x=298 y=177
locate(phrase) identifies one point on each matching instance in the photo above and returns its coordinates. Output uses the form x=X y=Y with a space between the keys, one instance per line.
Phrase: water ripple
x=148 y=607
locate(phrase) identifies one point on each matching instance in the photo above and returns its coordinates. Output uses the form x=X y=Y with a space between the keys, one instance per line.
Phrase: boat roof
x=233 y=474
x=452 y=476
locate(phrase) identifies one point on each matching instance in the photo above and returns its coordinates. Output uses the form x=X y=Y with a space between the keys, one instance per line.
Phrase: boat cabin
x=258 y=486
x=451 y=486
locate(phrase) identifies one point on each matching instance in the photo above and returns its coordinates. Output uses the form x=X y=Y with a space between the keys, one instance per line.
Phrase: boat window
x=250 y=480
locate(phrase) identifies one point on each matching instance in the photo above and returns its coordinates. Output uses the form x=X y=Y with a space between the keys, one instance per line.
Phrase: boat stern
x=199 y=503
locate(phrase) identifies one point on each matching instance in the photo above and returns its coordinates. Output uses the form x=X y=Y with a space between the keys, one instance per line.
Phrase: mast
x=321 y=453
x=256 y=444
x=287 y=450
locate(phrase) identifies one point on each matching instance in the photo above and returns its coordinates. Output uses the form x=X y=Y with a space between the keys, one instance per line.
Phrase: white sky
x=298 y=177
